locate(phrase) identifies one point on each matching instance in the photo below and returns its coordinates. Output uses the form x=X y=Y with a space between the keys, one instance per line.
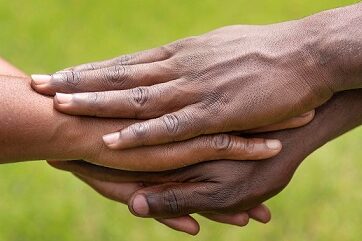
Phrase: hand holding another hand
x=223 y=187
x=232 y=79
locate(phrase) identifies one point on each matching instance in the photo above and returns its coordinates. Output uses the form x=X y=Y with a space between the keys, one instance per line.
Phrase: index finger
x=142 y=57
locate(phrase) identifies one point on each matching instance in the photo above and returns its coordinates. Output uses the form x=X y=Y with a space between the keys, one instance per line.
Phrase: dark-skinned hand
x=223 y=187
x=231 y=79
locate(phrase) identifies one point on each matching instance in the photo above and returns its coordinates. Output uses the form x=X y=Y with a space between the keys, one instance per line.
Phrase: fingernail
x=112 y=138
x=273 y=144
x=140 y=205
x=306 y=114
x=63 y=98
x=40 y=79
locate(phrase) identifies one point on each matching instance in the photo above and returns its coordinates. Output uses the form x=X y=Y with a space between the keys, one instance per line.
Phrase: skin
x=40 y=132
x=23 y=132
x=223 y=187
x=231 y=79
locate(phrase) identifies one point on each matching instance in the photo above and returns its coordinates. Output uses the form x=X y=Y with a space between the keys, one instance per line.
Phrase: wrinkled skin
x=186 y=223
x=231 y=79
x=226 y=187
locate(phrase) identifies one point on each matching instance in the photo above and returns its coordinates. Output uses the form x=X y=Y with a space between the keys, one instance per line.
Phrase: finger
x=213 y=147
x=186 y=224
x=103 y=174
x=172 y=128
x=294 y=122
x=168 y=200
x=238 y=219
x=140 y=102
x=260 y=213
x=177 y=126
x=142 y=57
x=116 y=77
x=121 y=192
x=107 y=174
x=185 y=153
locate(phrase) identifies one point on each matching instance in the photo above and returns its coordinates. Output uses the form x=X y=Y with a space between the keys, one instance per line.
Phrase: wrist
x=334 y=39
x=65 y=140
x=30 y=128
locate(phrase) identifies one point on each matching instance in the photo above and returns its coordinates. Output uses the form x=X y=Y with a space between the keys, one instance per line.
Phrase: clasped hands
x=214 y=124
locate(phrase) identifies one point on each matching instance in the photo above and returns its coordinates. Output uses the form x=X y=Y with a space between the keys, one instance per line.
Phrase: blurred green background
x=39 y=203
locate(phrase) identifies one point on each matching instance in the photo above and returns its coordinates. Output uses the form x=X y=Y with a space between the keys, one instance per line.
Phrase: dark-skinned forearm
x=335 y=40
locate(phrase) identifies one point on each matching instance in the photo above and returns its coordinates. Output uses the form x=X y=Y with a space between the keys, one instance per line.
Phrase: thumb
x=172 y=200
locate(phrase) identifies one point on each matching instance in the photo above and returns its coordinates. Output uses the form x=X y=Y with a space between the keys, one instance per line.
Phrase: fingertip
x=309 y=116
x=242 y=219
x=261 y=214
x=194 y=230
x=190 y=226
x=274 y=145
x=111 y=140
x=40 y=79
x=185 y=224
x=41 y=84
x=303 y=119
x=138 y=206
x=62 y=98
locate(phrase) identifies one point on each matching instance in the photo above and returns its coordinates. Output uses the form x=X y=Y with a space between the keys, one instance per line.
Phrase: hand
x=41 y=133
x=226 y=186
x=232 y=79
x=121 y=192
x=29 y=125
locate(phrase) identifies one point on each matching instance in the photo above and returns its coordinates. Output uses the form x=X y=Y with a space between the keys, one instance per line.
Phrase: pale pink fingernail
x=111 y=139
x=274 y=144
x=40 y=79
x=63 y=98
x=140 y=206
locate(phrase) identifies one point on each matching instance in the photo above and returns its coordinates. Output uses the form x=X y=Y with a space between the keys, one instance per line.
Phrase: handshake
x=214 y=124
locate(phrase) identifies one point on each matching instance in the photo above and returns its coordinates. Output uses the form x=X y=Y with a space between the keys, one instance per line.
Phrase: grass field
x=39 y=203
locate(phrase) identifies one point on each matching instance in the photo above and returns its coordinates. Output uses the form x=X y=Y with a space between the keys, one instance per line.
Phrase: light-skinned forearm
x=30 y=129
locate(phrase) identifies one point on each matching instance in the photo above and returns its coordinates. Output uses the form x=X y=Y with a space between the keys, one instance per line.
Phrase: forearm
x=334 y=39
x=29 y=128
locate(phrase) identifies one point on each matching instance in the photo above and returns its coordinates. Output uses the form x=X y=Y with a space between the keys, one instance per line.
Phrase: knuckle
x=92 y=98
x=172 y=123
x=89 y=66
x=140 y=96
x=172 y=202
x=115 y=74
x=71 y=78
x=222 y=142
x=166 y=50
x=139 y=129
x=95 y=101
x=124 y=59
x=248 y=145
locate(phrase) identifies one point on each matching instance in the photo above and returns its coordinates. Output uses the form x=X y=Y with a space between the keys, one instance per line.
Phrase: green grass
x=39 y=203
